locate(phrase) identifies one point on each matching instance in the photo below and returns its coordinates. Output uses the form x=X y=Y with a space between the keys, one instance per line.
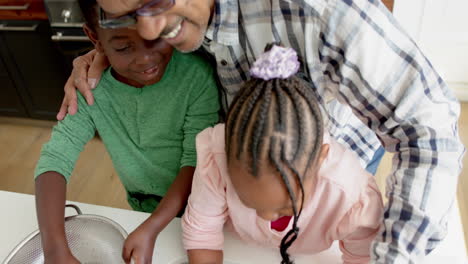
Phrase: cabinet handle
x=14 y=7
x=4 y=27
x=58 y=37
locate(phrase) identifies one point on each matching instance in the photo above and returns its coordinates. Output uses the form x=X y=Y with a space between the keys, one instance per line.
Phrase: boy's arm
x=202 y=111
x=67 y=142
x=55 y=165
x=205 y=256
x=50 y=208
x=140 y=243
x=174 y=200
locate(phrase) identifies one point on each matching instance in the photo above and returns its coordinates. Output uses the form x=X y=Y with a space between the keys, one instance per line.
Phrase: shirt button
x=224 y=62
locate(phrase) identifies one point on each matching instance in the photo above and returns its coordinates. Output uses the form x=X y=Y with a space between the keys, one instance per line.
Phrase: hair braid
x=281 y=108
x=316 y=114
x=246 y=116
x=292 y=234
x=259 y=126
x=236 y=107
x=298 y=110
x=242 y=96
x=277 y=122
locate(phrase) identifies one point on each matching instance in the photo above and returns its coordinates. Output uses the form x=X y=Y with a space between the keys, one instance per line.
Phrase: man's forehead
x=120 y=6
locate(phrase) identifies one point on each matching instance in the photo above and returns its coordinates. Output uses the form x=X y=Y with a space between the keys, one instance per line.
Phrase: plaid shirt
x=375 y=87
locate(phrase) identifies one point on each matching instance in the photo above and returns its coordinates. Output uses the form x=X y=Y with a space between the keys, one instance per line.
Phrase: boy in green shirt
x=149 y=106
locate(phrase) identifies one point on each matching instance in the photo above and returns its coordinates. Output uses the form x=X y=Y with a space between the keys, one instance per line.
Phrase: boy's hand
x=65 y=257
x=87 y=70
x=139 y=245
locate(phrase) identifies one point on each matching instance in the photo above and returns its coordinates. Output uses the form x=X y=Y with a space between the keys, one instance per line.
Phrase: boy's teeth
x=173 y=33
x=150 y=70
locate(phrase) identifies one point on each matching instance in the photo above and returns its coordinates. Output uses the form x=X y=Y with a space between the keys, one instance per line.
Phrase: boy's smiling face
x=136 y=61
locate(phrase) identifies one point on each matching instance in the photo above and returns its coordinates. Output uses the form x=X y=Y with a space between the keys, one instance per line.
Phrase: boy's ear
x=92 y=35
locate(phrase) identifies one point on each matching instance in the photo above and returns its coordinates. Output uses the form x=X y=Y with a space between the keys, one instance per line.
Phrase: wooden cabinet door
x=10 y=101
x=36 y=67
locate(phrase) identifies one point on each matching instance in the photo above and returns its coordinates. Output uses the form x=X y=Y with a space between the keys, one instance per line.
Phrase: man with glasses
x=375 y=86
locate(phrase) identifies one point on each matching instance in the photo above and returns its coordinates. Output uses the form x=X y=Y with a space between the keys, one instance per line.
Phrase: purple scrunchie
x=278 y=62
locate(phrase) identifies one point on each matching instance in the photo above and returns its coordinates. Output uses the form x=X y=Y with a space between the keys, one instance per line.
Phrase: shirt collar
x=224 y=26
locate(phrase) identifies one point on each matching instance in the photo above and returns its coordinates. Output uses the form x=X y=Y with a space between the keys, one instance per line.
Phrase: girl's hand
x=87 y=70
x=139 y=245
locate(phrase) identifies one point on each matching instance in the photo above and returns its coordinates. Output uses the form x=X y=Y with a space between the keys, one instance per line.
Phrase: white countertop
x=19 y=220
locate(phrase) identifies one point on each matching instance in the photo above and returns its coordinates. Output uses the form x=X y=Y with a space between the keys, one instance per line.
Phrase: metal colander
x=91 y=238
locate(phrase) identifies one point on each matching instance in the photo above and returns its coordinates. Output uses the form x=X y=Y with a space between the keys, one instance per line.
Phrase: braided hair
x=276 y=122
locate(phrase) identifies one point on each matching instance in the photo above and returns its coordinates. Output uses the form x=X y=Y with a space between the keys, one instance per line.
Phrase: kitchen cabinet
x=22 y=10
x=10 y=102
x=33 y=71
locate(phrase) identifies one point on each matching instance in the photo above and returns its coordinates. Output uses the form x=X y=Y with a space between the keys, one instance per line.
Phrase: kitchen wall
x=440 y=27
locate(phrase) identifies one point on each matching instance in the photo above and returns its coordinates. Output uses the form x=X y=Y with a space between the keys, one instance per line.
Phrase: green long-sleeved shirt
x=149 y=132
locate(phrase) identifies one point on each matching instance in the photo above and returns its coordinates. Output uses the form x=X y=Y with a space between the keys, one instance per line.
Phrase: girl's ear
x=323 y=153
x=92 y=35
x=315 y=166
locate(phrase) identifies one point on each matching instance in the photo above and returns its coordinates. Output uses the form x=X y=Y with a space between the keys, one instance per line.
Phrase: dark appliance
x=66 y=22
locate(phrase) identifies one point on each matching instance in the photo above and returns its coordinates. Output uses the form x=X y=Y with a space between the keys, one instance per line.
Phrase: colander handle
x=77 y=209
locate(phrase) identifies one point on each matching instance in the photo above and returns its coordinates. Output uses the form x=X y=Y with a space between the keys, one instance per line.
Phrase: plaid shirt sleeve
x=376 y=69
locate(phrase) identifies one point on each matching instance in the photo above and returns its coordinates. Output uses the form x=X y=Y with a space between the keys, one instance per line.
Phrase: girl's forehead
x=263 y=190
x=262 y=195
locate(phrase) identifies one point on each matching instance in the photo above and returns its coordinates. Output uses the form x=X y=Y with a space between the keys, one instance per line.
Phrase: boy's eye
x=122 y=49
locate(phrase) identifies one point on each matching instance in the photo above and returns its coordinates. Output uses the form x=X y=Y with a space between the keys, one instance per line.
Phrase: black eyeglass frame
x=130 y=19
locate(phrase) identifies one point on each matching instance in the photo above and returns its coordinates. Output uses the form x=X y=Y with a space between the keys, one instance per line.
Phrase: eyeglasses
x=152 y=8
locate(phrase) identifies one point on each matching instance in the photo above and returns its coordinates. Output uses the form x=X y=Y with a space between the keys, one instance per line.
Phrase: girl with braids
x=276 y=178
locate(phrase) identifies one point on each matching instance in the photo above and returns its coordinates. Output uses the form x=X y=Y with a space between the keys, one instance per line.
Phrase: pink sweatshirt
x=346 y=205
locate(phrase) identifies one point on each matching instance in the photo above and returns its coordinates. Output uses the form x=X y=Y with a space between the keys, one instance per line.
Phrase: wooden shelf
x=22 y=10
